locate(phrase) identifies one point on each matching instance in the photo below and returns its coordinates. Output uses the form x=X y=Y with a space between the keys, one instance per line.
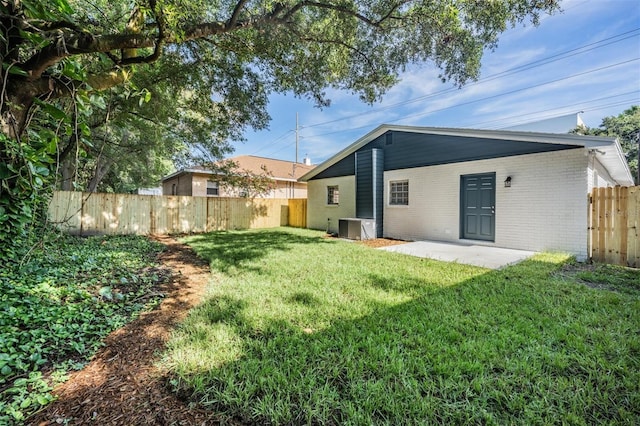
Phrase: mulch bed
x=123 y=385
x=374 y=242
x=381 y=242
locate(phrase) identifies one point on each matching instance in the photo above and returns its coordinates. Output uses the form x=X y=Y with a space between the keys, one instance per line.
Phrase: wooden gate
x=298 y=212
x=614 y=225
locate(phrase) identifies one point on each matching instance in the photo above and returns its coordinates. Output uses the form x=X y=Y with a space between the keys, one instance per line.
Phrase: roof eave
x=517 y=136
x=185 y=171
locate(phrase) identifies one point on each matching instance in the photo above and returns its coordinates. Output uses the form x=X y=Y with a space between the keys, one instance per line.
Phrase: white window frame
x=399 y=192
x=214 y=185
x=333 y=195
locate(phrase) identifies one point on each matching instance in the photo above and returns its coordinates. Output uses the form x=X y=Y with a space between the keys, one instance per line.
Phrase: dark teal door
x=478 y=206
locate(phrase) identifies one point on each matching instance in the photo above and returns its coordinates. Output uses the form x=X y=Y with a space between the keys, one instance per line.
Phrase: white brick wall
x=598 y=175
x=544 y=209
x=318 y=211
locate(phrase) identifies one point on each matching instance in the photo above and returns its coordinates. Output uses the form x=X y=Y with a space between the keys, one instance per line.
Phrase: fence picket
x=613 y=225
x=93 y=213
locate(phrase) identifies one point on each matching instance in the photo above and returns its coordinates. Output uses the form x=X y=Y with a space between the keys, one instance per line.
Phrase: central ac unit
x=357 y=228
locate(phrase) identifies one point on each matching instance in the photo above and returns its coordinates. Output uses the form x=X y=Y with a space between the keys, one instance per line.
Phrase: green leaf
x=98 y=101
x=51 y=109
x=73 y=71
x=26 y=403
x=6 y=370
x=14 y=69
x=106 y=293
x=4 y=171
x=64 y=7
x=42 y=399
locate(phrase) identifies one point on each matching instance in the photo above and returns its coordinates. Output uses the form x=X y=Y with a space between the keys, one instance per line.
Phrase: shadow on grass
x=228 y=250
x=504 y=347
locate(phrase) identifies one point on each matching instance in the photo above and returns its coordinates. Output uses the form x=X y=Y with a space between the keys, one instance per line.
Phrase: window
x=174 y=190
x=399 y=193
x=212 y=188
x=333 y=195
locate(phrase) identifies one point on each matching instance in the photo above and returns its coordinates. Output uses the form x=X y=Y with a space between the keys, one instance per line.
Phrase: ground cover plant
x=59 y=303
x=300 y=329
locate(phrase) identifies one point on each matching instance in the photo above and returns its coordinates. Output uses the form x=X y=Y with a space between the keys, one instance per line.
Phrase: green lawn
x=299 y=329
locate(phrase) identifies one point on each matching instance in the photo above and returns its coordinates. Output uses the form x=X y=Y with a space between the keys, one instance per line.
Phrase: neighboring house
x=509 y=189
x=199 y=181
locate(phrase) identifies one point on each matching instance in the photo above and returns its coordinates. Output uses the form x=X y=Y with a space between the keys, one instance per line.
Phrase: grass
x=58 y=305
x=299 y=329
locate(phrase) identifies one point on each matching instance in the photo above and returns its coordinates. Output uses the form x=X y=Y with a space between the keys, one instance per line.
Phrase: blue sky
x=584 y=59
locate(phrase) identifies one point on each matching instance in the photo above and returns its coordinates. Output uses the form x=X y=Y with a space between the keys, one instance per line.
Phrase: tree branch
x=236 y=13
x=108 y=80
x=337 y=42
x=83 y=43
x=78 y=44
x=344 y=10
x=51 y=26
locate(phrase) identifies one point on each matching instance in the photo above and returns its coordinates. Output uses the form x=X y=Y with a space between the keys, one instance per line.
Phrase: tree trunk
x=100 y=171
x=68 y=174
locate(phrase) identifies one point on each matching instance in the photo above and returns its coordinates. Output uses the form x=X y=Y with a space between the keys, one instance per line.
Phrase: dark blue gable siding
x=403 y=150
x=344 y=167
x=369 y=186
x=418 y=150
x=364 y=184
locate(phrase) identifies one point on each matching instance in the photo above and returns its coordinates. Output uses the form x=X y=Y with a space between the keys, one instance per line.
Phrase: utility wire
x=524 y=67
x=266 y=145
x=540 y=62
x=556 y=110
x=486 y=97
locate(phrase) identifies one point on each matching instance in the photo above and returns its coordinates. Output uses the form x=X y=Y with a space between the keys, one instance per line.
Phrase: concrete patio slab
x=468 y=254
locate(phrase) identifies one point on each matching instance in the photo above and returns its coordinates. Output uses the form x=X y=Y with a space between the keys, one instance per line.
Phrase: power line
x=593 y=108
x=524 y=67
x=266 y=145
x=487 y=97
x=580 y=105
x=540 y=62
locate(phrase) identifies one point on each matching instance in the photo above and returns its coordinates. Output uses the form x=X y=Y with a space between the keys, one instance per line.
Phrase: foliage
x=626 y=127
x=24 y=174
x=300 y=329
x=238 y=182
x=56 y=307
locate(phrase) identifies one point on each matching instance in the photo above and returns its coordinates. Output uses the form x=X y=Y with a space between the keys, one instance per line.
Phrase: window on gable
x=399 y=193
x=212 y=188
x=333 y=195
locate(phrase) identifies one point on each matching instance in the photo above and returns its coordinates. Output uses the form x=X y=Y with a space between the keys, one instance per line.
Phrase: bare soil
x=123 y=384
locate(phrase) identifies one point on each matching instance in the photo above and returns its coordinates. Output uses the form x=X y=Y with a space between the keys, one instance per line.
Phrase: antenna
x=296 y=138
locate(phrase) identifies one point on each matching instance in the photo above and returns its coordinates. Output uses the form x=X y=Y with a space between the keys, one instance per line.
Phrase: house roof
x=608 y=149
x=279 y=169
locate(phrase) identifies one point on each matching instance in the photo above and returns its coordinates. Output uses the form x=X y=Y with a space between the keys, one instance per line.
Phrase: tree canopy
x=74 y=70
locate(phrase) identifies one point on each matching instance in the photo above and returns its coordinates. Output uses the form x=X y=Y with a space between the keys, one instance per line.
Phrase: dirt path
x=122 y=384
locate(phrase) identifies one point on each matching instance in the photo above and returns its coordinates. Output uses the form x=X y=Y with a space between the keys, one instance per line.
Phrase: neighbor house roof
x=608 y=149
x=279 y=169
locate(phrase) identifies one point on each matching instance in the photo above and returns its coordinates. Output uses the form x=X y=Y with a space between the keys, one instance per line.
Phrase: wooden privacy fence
x=614 y=225
x=93 y=213
x=298 y=212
